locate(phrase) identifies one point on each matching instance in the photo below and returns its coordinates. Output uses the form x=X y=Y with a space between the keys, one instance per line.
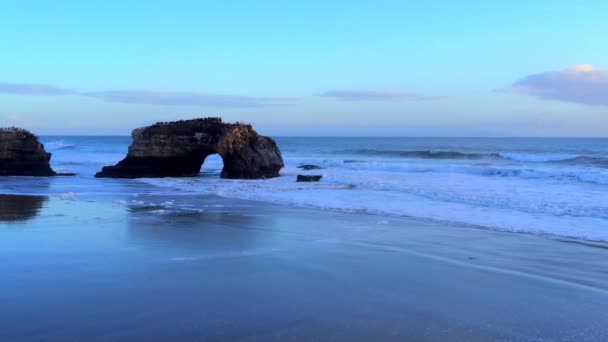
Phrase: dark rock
x=66 y=174
x=309 y=167
x=179 y=148
x=309 y=178
x=22 y=154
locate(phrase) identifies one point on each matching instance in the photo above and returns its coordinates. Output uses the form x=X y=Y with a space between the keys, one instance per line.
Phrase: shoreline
x=159 y=207
x=258 y=271
x=591 y=242
x=599 y=243
x=554 y=188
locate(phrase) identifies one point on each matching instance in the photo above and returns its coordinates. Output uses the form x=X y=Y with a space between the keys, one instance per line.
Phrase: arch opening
x=212 y=166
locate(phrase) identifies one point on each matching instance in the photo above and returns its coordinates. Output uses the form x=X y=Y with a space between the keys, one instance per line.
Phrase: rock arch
x=179 y=149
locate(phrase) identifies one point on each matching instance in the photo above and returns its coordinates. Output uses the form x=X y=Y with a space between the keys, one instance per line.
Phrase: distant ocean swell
x=59 y=145
x=426 y=154
x=522 y=157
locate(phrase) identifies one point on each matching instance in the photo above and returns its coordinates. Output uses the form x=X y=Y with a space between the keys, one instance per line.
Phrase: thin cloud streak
x=165 y=98
x=367 y=95
x=187 y=99
x=33 y=89
x=582 y=84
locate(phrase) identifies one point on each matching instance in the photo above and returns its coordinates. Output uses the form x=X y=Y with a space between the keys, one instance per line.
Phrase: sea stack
x=22 y=154
x=179 y=149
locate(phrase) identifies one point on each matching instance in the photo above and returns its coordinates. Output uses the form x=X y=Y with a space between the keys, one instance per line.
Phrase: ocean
x=403 y=239
x=532 y=185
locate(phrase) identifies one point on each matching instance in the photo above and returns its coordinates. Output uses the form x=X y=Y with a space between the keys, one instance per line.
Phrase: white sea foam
x=524 y=205
x=558 y=172
x=68 y=195
x=538 y=158
x=58 y=145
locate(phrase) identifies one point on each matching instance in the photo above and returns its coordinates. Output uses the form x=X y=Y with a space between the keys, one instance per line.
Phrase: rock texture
x=179 y=149
x=22 y=154
x=309 y=178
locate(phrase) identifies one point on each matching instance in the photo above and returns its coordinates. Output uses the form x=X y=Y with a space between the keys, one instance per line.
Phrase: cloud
x=33 y=89
x=187 y=99
x=580 y=84
x=166 y=98
x=366 y=95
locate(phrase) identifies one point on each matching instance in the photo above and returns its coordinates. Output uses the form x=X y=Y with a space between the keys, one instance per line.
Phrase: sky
x=308 y=68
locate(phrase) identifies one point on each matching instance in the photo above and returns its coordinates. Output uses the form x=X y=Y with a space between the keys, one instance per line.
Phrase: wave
x=558 y=159
x=58 y=145
x=585 y=175
x=573 y=159
x=586 y=160
x=426 y=154
x=581 y=175
x=548 y=210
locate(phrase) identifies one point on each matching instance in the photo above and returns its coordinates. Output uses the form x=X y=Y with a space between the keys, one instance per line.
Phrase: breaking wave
x=520 y=157
x=426 y=154
x=59 y=145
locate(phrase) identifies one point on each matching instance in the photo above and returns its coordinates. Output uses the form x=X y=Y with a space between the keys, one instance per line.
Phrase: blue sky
x=397 y=68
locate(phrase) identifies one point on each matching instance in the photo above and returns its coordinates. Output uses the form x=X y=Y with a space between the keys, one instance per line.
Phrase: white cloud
x=167 y=98
x=187 y=98
x=33 y=89
x=580 y=84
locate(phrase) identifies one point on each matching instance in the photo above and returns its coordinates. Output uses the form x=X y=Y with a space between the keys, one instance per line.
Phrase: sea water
x=534 y=185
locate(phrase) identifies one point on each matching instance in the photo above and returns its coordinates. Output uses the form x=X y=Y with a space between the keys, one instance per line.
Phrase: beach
x=191 y=267
x=303 y=171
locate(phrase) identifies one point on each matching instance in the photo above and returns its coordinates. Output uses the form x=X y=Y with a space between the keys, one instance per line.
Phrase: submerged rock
x=179 y=149
x=22 y=154
x=309 y=178
x=309 y=167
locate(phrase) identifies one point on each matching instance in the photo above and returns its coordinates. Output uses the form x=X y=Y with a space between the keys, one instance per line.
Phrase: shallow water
x=198 y=267
x=549 y=186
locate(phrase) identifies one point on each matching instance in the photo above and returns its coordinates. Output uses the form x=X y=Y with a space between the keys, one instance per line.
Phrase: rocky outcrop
x=179 y=149
x=22 y=154
x=309 y=178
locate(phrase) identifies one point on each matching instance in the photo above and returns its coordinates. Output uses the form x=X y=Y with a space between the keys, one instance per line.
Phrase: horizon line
x=362 y=136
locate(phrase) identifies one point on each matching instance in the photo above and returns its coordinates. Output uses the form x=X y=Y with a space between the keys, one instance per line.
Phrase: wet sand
x=188 y=268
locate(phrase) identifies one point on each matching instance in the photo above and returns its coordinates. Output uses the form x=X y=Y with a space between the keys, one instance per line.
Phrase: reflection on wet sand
x=202 y=228
x=204 y=268
x=20 y=208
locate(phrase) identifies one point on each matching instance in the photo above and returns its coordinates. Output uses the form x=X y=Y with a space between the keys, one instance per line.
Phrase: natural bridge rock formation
x=178 y=149
x=22 y=154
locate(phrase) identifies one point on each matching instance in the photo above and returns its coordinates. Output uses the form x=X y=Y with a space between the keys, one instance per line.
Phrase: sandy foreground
x=213 y=269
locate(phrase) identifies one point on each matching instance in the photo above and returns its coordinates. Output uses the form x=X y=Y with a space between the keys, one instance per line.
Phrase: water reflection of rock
x=211 y=230
x=19 y=207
